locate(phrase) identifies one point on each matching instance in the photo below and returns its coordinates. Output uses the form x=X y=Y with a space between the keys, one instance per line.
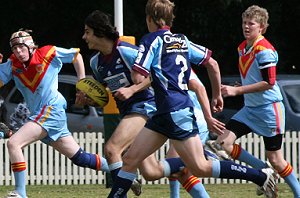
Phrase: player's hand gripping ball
x=94 y=90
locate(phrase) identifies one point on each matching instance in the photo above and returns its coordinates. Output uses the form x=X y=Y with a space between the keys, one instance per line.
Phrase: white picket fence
x=46 y=166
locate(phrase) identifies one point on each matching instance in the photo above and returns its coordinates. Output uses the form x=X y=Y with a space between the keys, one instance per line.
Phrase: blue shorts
x=146 y=108
x=266 y=120
x=201 y=123
x=204 y=136
x=54 y=120
x=177 y=125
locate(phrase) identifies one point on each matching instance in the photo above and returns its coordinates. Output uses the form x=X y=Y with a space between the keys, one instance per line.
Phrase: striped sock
x=195 y=188
x=290 y=178
x=19 y=170
x=238 y=153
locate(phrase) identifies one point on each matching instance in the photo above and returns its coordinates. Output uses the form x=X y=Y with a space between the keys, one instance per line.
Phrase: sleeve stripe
x=140 y=69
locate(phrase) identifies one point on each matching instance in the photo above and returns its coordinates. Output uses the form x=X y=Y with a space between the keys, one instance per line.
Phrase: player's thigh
x=28 y=133
x=66 y=146
x=191 y=152
x=127 y=130
x=146 y=143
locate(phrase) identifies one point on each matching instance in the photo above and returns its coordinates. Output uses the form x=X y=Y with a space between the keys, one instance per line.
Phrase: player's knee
x=151 y=174
x=111 y=150
x=130 y=161
x=11 y=146
x=202 y=170
x=227 y=146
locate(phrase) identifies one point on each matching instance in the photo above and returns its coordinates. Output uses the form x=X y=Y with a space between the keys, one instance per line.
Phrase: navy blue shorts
x=177 y=125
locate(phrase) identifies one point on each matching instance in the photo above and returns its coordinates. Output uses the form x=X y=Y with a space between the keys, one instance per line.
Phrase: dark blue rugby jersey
x=114 y=70
x=167 y=58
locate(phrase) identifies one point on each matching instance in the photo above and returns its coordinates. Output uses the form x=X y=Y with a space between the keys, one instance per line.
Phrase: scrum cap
x=21 y=37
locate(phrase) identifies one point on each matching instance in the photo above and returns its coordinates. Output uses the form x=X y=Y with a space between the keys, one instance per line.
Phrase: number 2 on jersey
x=181 y=60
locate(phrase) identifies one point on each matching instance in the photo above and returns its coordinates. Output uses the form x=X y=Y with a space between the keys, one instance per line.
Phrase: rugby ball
x=94 y=90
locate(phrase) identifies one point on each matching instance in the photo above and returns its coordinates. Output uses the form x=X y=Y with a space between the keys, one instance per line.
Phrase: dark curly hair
x=100 y=23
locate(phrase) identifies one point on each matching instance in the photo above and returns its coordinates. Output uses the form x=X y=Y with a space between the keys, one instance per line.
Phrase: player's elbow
x=137 y=78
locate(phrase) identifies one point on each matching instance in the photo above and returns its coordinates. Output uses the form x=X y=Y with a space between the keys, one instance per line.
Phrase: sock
x=93 y=161
x=238 y=153
x=122 y=184
x=114 y=169
x=174 y=188
x=195 y=188
x=231 y=170
x=19 y=170
x=172 y=165
x=290 y=178
x=104 y=165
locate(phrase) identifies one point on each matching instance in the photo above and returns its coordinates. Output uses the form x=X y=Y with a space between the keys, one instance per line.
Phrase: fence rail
x=46 y=166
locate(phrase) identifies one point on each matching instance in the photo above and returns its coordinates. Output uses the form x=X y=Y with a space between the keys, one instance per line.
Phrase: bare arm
x=240 y=90
x=79 y=66
x=126 y=92
x=213 y=124
x=1 y=58
x=137 y=77
x=213 y=70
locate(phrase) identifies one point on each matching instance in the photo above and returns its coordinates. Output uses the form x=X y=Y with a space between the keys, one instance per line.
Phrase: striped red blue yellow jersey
x=262 y=55
x=38 y=82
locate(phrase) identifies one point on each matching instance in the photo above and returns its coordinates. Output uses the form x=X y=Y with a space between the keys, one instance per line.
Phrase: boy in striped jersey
x=264 y=112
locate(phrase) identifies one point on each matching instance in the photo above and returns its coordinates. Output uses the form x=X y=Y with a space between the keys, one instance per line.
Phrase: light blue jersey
x=38 y=84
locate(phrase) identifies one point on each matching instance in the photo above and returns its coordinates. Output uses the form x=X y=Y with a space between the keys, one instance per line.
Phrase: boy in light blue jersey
x=166 y=57
x=35 y=73
x=264 y=112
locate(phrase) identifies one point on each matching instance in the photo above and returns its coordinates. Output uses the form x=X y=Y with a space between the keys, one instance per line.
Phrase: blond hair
x=161 y=11
x=259 y=14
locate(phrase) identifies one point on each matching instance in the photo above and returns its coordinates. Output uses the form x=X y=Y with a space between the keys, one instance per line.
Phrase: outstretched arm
x=213 y=124
x=79 y=66
x=213 y=70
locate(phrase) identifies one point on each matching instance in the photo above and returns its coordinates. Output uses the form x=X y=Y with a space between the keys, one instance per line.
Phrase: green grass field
x=149 y=191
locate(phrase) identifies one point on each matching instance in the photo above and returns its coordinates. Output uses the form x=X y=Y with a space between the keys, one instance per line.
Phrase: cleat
x=13 y=194
x=259 y=191
x=136 y=187
x=269 y=188
x=217 y=149
x=210 y=155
